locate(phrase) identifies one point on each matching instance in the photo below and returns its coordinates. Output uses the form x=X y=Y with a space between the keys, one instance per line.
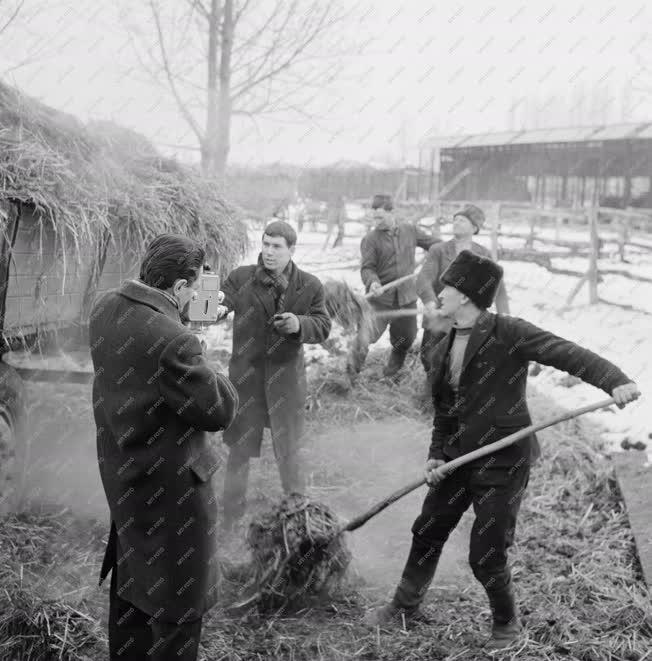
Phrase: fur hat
x=475 y=276
x=473 y=214
x=382 y=201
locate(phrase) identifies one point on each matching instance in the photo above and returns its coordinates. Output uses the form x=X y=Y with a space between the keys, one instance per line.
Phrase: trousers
x=137 y=636
x=288 y=460
x=402 y=333
x=495 y=494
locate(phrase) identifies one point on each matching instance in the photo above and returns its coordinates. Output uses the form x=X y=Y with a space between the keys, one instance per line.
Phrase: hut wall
x=42 y=289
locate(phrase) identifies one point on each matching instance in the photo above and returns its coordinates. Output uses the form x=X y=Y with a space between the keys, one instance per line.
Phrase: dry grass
x=44 y=612
x=577 y=577
x=296 y=553
x=87 y=179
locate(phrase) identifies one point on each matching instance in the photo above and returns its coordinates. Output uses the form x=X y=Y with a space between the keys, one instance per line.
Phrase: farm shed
x=574 y=166
x=78 y=204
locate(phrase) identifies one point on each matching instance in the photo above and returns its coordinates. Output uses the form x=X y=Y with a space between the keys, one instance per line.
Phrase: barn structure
x=569 y=167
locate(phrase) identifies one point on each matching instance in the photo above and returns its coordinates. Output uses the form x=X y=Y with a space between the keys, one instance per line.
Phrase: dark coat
x=492 y=400
x=154 y=397
x=437 y=260
x=267 y=368
x=390 y=254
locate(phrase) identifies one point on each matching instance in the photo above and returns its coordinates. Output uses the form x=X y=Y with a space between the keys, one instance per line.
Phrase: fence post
x=594 y=249
x=495 y=221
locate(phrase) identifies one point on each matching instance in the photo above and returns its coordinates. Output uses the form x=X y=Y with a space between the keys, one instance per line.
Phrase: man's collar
x=137 y=290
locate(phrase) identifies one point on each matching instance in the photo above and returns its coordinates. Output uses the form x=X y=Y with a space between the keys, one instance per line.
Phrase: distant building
x=574 y=166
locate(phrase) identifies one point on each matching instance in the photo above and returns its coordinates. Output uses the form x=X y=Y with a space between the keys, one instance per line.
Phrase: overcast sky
x=453 y=66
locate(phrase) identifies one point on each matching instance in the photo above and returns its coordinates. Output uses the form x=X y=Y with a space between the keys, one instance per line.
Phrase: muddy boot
x=506 y=627
x=391 y=615
x=395 y=362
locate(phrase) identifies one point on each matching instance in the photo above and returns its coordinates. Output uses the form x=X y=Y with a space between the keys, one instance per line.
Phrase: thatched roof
x=87 y=178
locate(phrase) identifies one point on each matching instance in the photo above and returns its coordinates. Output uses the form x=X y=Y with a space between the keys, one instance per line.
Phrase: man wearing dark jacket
x=479 y=377
x=277 y=308
x=466 y=223
x=388 y=253
x=154 y=398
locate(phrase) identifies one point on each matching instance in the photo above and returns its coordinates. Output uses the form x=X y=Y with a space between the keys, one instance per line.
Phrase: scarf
x=277 y=284
x=387 y=226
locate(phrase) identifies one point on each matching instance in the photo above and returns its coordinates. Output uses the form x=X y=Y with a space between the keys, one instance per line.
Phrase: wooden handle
x=450 y=466
x=390 y=285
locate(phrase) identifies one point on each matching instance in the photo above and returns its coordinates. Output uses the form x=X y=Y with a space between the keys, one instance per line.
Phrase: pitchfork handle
x=450 y=466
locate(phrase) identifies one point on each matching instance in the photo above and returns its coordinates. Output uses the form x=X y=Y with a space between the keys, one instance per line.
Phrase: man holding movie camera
x=154 y=398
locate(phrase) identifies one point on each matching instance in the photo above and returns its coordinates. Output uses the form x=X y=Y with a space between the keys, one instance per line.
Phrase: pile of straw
x=296 y=552
x=38 y=622
x=352 y=311
x=87 y=180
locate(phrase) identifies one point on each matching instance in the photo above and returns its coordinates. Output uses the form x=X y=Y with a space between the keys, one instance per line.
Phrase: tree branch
x=238 y=14
x=187 y=115
x=12 y=18
x=199 y=6
x=287 y=61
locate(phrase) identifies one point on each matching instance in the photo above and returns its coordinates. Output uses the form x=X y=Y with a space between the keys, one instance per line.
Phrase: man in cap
x=388 y=253
x=466 y=223
x=479 y=374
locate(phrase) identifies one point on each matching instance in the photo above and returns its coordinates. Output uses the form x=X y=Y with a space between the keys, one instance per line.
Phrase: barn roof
x=569 y=134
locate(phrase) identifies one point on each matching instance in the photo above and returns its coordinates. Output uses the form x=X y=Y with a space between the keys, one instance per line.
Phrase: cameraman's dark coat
x=154 y=397
x=267 y=368
x=492 y=401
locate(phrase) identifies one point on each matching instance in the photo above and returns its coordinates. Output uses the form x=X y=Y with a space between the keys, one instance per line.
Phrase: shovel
x=449 y=467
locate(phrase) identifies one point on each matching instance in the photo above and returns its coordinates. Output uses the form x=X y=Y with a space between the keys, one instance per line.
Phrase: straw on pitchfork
x=354 y=311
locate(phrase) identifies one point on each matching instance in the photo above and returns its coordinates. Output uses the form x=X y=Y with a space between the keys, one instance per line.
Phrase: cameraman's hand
x=222 y=311
x=220 y=296
x=374 y=287
x=432 y=475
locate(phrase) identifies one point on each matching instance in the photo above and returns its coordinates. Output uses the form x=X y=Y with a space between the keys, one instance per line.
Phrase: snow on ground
x=622 y=336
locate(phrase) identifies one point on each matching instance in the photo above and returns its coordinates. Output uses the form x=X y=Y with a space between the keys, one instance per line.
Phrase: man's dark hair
x=171 y=257
x=382 y=201
x=281 y=228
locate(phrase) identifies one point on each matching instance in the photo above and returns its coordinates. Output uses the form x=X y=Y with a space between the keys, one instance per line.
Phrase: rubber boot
x=395 y=362
x=506 y=626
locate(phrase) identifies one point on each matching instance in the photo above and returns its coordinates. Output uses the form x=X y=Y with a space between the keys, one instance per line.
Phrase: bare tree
x=9 y=12
x=224 y=58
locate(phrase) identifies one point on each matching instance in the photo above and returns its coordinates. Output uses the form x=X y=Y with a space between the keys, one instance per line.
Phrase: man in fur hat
x=388 y=253
x=479 y=374
x=466 y=223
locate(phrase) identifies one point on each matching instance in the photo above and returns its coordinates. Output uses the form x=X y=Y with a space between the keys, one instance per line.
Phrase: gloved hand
x=432 y=475
x=222 y=311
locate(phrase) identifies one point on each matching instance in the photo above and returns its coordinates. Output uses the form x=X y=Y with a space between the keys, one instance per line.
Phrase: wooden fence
x=603 y=227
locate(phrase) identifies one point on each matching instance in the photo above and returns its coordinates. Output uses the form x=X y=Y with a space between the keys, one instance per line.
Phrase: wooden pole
x=450 y=466
x=593 y=255
x=495 y=221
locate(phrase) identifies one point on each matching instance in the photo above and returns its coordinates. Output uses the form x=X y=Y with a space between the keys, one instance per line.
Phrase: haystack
x=87 y=181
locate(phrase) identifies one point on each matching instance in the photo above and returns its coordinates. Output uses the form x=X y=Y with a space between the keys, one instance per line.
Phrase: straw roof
x=85 y=179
